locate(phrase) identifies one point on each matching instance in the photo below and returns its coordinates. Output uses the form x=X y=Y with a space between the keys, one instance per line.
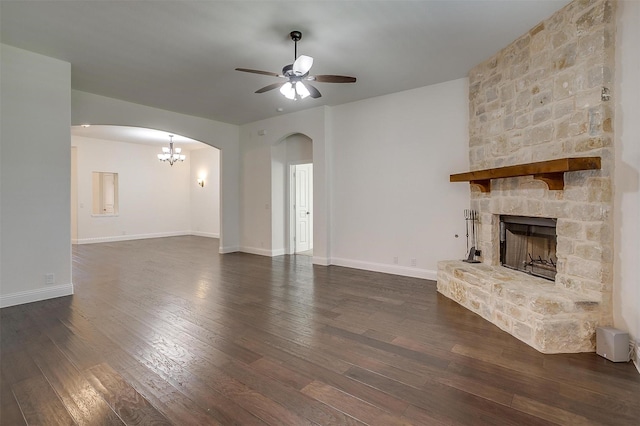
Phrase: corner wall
x=35 y=176
x=626 y=95
x=205 y=201
x=394 y=209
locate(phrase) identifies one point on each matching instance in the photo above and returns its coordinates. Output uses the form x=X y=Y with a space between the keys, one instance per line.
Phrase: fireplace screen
x=528 y=244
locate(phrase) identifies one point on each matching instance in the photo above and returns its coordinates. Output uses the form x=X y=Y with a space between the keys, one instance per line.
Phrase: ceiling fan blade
x=269 y=87
x=273 y=74
x=302 y=65
x=313 y=92
x=332 y=79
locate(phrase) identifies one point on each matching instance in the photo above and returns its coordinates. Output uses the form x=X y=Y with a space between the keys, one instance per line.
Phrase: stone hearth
x=545 y=316
x=541 y=98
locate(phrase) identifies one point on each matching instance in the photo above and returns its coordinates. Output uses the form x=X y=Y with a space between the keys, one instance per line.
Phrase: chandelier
x=171 y=154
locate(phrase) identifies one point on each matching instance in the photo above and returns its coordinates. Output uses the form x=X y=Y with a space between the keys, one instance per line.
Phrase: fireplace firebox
x=528 y=244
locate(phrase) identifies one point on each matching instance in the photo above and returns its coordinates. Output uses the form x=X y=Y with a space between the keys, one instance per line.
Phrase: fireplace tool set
x=470 y=219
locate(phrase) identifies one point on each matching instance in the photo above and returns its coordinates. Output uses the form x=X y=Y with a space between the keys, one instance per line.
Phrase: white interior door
x=303 y=207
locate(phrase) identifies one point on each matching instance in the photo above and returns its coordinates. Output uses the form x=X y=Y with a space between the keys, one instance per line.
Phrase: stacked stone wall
x=544 y=97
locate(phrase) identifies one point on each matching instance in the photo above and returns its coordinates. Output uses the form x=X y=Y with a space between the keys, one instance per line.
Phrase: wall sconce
x=201 y=182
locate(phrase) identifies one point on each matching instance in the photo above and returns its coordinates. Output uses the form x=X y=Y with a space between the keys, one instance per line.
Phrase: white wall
x=626 y=95
x=392 y=157
x=205 y=201
x=34 y=176
x=95 y=109
x=153 y=197
x=383 y=165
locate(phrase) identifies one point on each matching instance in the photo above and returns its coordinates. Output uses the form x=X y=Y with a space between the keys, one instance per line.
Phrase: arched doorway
x=292 y=195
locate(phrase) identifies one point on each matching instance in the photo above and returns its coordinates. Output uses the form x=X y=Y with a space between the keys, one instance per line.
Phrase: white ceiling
x=181 y=55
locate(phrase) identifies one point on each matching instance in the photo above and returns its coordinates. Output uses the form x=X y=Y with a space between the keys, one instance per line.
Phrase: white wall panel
x=35 y=176
x=392 y=157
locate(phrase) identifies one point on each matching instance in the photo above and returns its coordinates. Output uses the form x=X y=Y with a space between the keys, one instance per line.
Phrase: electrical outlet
x=395 y=260
x=414 y=262
x=49 y=278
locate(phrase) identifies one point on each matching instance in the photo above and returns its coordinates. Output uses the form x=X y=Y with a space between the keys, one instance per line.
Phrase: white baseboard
x=258 y=251
x=36 y=295
x=205 y=234
x=404 y=271
x=230 y=249
x=130 y=237
x=636 y=358
x=322 y=261
x=263 y=251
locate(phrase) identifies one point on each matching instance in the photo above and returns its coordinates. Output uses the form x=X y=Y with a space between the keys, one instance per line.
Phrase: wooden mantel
x=551 y=172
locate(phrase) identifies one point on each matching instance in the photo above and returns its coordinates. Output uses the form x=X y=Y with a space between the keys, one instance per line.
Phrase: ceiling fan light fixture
x=301 y=90
x=302 y=65
x=288 y=90
x=294 y=88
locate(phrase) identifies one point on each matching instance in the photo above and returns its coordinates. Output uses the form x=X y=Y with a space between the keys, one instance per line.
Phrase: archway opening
x=292 y=195
x=154 y=199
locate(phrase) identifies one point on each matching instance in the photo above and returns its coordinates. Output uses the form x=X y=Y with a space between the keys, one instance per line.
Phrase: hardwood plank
x=10 y=413
x=451 y=404
x=379 y=335
x=81 y=400
x=551 y=390
x=172 y=403
x=130 y=406
x=289 y=398
x=351 y=406
x=77 y=350
x=304 y=367
x=553 y=414
x=17 y=366
x=422 y=417
x=269 y=410
x=39 y=403
x=217 y=405
x=281 y=373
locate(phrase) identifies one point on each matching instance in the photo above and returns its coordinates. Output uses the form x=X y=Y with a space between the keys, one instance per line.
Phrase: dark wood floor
x=167 y=331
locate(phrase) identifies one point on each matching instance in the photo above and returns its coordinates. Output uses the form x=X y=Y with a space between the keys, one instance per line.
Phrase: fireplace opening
x=528 y=244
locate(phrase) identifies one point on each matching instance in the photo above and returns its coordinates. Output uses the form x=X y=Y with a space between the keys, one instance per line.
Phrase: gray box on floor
x=613 y=344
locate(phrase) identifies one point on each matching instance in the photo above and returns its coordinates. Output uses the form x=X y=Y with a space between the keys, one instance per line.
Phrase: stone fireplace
x=544 y=97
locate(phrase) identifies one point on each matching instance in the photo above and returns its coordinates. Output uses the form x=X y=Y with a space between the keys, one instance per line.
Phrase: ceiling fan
x=297 y=76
